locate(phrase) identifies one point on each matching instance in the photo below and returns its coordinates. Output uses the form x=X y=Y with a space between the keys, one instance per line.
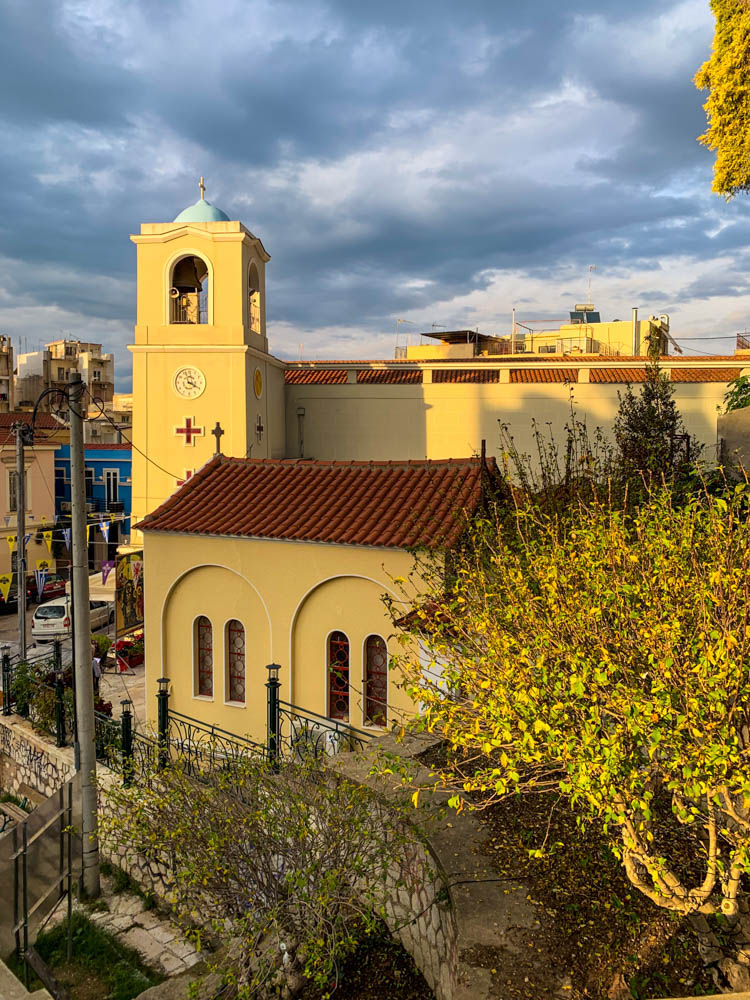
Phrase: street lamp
x=272 y=687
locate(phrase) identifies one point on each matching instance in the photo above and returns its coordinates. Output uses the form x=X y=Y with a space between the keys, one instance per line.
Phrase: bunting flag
x=47 y=535
x=7 y=521
x=11 y=540
x=44 y=518
x=104 y=528
x=26 y=539
x=5 y=582
x=88 y=529
x=107 y=567
x=44 y=564
x=40 y=576
x=66 y=538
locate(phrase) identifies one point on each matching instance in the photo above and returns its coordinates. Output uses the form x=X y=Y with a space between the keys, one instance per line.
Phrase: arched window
x=188 y=291
x=376 y=681
x=204 y=657
x=254 y=299
x=235 y=659
x=338 y=676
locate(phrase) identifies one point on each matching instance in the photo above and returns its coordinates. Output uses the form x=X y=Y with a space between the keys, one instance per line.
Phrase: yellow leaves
x=415 y=799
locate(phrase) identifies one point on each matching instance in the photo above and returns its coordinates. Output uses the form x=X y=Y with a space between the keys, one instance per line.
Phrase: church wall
x=289 y=596
x=276 y=413
x=442 y=420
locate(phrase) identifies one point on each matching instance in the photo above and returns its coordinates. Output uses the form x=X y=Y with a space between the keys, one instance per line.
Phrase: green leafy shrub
x=738 y=394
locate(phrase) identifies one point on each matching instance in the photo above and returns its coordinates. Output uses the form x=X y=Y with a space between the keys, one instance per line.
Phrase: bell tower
x=200 y=356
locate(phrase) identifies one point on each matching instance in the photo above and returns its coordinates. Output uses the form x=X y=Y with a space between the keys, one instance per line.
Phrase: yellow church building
x=255 y=561
x=244 y=463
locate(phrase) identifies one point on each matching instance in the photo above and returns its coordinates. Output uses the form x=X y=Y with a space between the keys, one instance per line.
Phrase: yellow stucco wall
x=444 y=420
x=289 y=596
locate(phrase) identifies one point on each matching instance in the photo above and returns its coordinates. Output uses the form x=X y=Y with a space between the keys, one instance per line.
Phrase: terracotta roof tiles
x=705 y=374
x=617 y=375
x=466 y=375
x=386 y=376
x=542 y=375
x=392 y=504
x=315 y=376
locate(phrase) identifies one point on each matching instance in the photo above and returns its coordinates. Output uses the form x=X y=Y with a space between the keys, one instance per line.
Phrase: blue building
x=108 y=495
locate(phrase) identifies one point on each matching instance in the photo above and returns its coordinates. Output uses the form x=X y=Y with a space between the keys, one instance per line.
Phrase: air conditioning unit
x=66 y=507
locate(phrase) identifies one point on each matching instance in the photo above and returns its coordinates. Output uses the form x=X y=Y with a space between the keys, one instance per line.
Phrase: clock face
x=189 y=382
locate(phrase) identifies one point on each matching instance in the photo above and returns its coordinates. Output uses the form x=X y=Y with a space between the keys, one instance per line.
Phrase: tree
x=649 y=432
x=605 y=655
x=292 y=866
x=726 y=75
x=738 y=394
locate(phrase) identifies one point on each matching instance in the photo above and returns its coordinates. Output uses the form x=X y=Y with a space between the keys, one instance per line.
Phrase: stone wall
x=29 y=761
x=461 y=913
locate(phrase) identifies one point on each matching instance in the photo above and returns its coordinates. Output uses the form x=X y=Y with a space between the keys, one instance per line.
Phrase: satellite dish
x=174 y=293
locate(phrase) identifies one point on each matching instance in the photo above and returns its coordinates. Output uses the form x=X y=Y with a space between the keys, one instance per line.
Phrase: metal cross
x=259 y=428
x=218 y=433
x=202 y=186
x=189 y=430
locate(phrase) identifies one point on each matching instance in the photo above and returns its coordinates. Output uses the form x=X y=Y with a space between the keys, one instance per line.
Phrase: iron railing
x=304 y=733
x=202 y=749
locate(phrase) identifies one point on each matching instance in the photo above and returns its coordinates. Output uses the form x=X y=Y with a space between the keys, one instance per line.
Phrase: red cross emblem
x=188 y=475
x=189 y=430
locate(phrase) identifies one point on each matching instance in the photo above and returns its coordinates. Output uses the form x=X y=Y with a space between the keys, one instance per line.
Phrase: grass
x=100 y=967
x=15 y=800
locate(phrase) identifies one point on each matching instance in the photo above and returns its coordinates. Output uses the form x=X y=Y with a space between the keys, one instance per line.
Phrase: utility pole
x=24 y=436
x=79 y=583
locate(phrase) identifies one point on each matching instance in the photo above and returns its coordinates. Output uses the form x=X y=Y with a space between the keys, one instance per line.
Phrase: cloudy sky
x=418 y=160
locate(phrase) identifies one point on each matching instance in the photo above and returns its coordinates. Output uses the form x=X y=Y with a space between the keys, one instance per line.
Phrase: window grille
x=236 y=660
x=205 y=642
x=338 y=676
x=376 y=681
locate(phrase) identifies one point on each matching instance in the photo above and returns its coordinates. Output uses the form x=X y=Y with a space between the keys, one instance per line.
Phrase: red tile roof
x=393 y=504
x=619 y=375
x=318 y=376
x=705 y=374
x=44 y=420
x=108 y=447
x=466 y=375
x=386 y=376
x=540 y=375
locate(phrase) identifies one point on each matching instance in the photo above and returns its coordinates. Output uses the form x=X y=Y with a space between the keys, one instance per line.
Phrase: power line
x=99 y=403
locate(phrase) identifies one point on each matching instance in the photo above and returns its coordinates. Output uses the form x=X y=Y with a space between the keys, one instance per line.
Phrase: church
x=277 y=501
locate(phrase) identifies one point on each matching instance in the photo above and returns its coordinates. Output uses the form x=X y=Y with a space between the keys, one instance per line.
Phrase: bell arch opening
x=253 y=291
x=188 y=290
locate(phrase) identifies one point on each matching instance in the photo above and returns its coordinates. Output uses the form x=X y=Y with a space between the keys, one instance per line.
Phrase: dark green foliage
x=737 y=394
x=651 y=439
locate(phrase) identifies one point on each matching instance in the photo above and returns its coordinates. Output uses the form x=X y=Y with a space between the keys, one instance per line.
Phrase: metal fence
x=303 y=733
x=40 y=858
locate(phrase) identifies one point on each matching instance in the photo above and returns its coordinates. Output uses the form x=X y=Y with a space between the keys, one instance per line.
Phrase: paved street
x=114 y=686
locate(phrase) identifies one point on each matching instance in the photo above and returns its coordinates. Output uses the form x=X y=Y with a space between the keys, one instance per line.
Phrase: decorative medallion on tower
x=258 y=383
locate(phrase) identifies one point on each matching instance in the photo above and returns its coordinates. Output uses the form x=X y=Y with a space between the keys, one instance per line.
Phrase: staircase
x=13 y=989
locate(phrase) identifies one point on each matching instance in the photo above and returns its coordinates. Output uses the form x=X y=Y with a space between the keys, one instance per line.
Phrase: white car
x=53 y=620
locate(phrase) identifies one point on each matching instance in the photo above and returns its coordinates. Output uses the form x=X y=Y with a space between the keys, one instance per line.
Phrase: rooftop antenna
x=592 y=267
x=438 y=326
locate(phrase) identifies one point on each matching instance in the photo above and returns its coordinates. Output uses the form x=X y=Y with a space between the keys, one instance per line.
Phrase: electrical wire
x=99 y=403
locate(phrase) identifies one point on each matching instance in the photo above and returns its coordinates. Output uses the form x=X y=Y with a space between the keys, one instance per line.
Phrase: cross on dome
x=202 y=188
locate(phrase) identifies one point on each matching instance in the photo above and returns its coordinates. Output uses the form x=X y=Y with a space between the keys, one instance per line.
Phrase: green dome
x=202 y=211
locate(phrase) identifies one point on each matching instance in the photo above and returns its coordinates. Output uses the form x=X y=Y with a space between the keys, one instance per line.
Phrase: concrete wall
x=445 y=420
x=734 y=438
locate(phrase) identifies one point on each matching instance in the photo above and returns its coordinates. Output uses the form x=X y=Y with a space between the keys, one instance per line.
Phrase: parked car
x=54 y=586
x=52 y=620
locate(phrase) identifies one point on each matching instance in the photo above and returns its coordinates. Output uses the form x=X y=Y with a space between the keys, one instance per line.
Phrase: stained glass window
x=338 y=676
x=376 y=681
x=236 y=660
x=205 y=655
